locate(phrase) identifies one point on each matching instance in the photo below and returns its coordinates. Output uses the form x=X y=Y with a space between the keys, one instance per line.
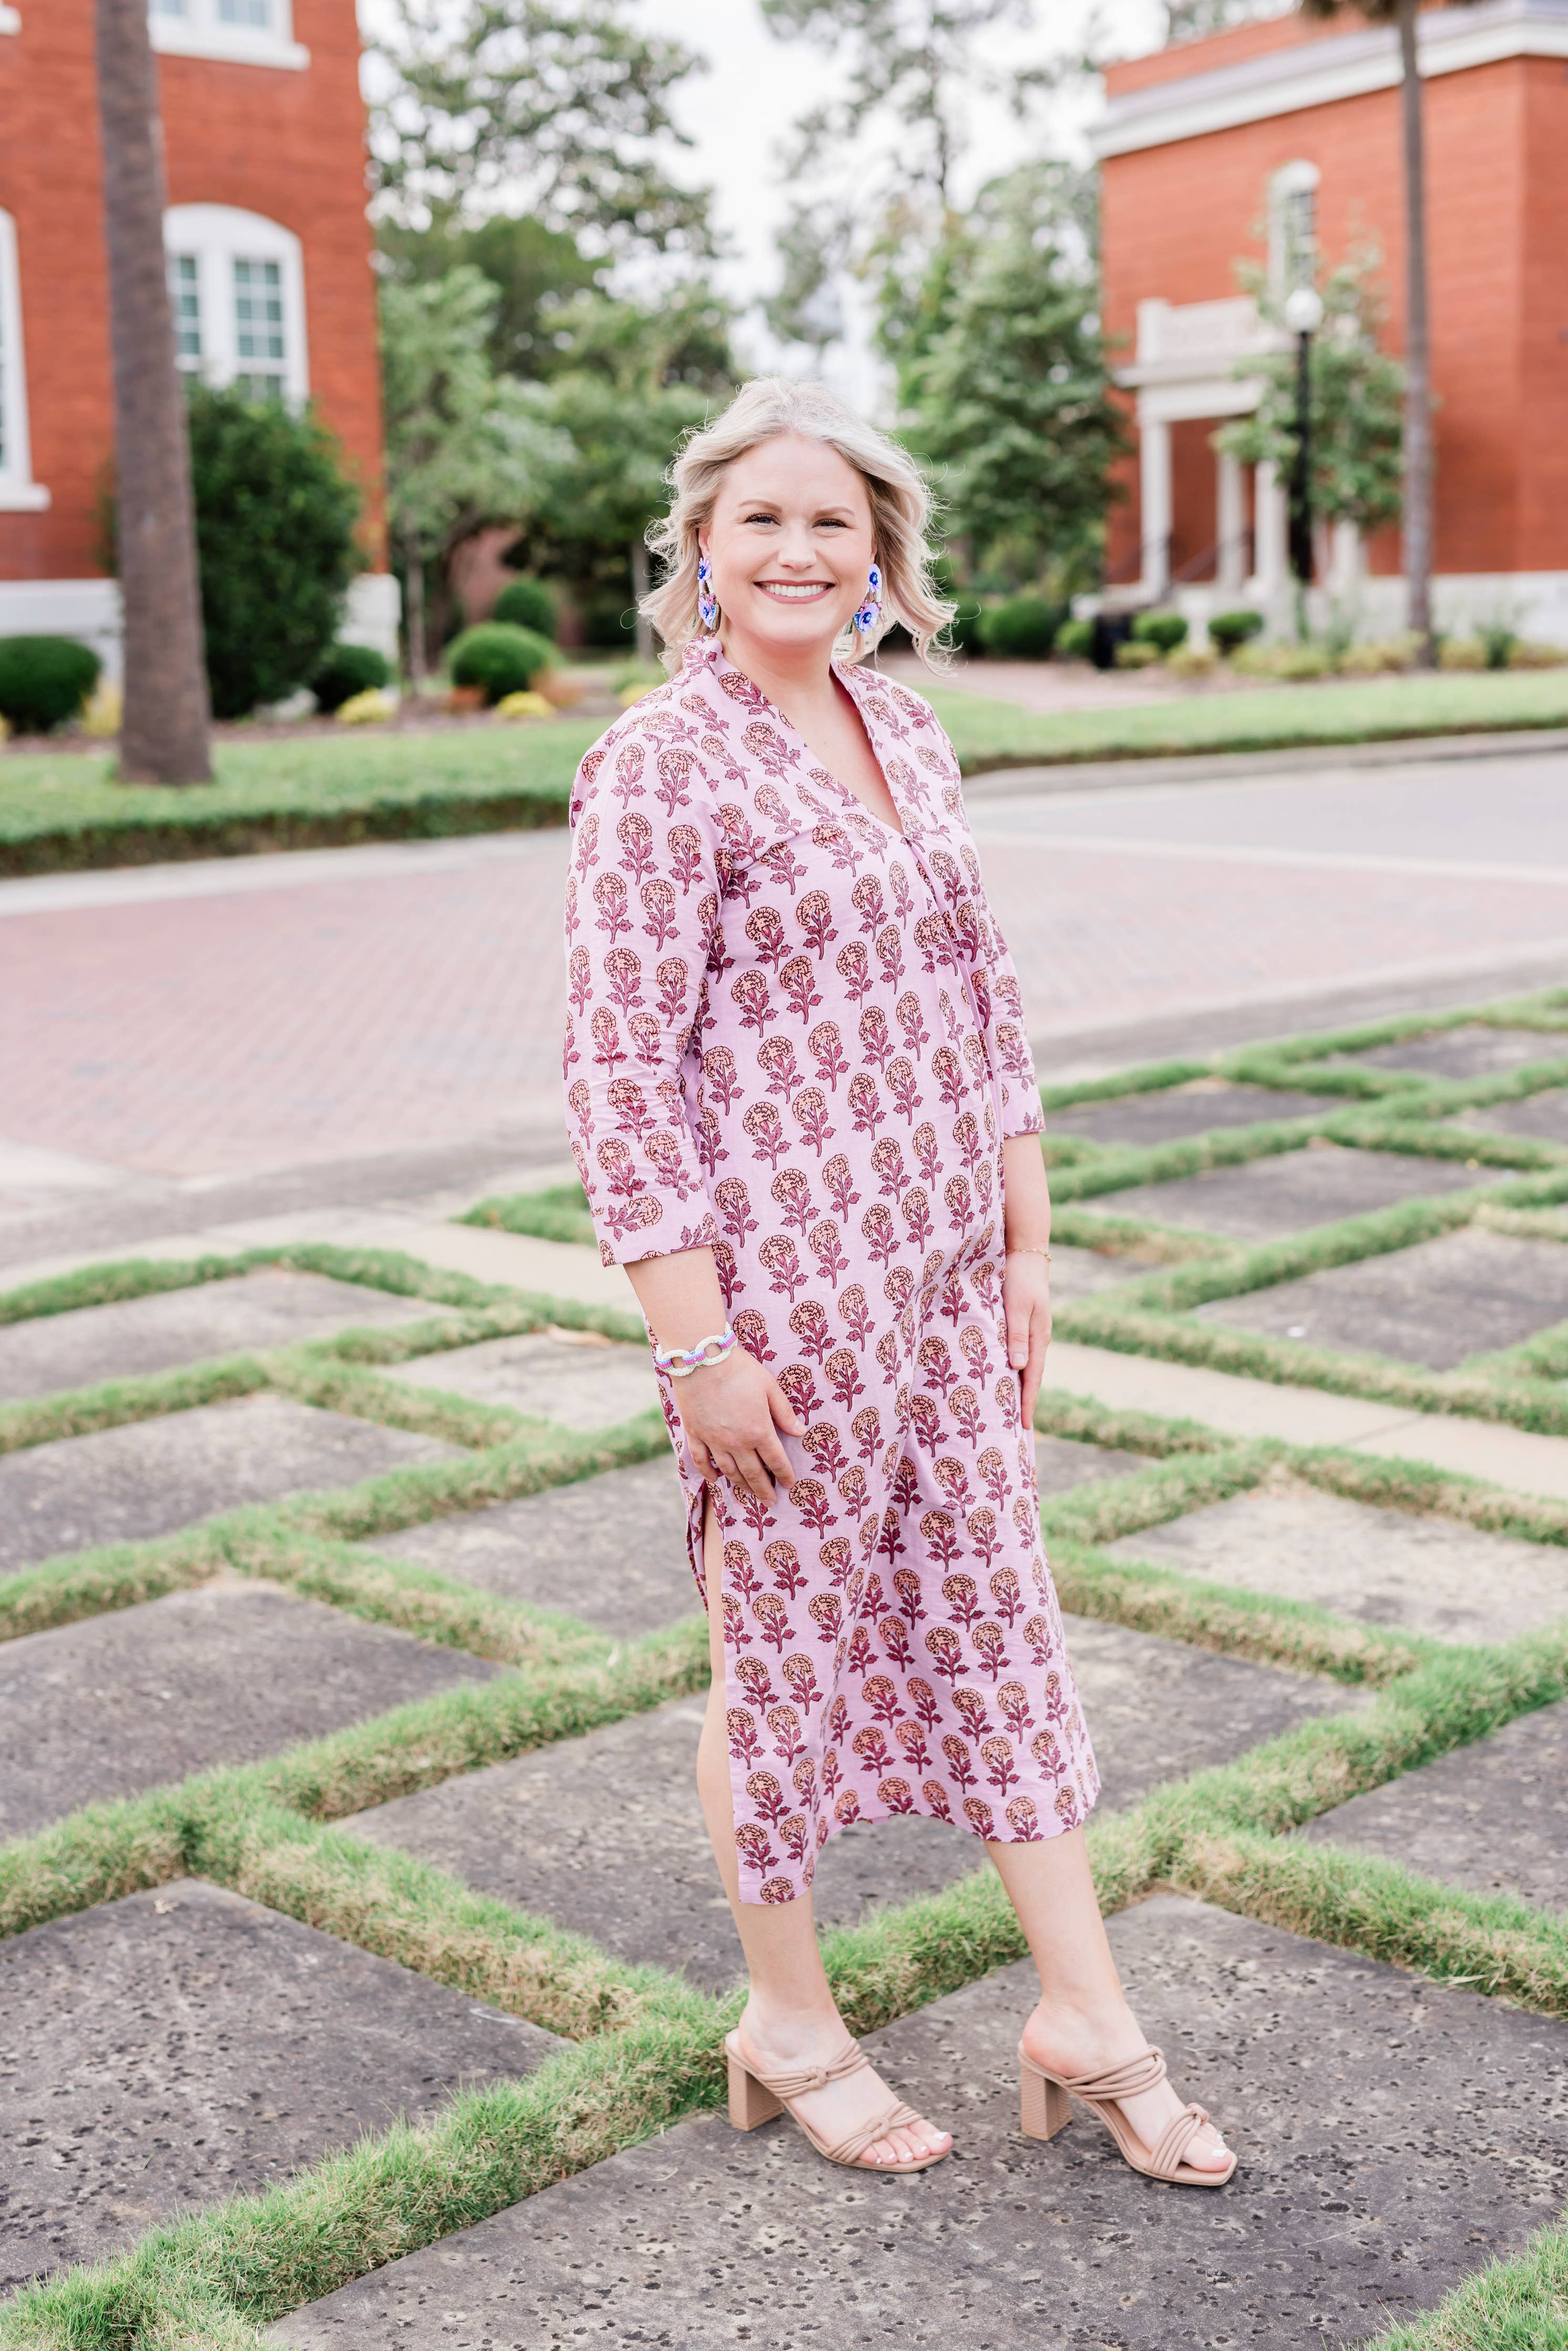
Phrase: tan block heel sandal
x=1046 y=2110
x=755 y=2098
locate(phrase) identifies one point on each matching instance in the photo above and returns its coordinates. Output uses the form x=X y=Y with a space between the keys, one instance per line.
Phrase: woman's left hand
x=1026 y=1301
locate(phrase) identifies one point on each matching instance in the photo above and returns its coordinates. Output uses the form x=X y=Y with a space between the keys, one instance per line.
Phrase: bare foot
x=1071 y=2044
x=789 y=2044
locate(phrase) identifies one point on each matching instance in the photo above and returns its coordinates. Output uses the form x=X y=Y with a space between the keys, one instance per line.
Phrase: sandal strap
x=1120 y=2081
x=898 y=2116
x=806 y=2078
x=1165 y=2155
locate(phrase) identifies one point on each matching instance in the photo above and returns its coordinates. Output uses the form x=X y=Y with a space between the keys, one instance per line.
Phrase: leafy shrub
x=1192 y=661
x=1498 y=641
x=1462 y=653
x=370 y=709
x=1020 y=628
x=1231 y=630
x=1522 y=655
x=1378 y=656
x=345 y=671
x=499 y=658
x=524 y=705
x=528 y=604
x=1075 y=640
x=1164 y=631
x=274 y=538
x=1137 y=655
x=44 y=681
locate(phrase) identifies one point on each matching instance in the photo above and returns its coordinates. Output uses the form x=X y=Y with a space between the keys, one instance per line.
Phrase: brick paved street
x=198 y=1022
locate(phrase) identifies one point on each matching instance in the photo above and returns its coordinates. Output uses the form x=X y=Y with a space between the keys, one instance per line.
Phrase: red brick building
x=1280 y=141
x=269 y=260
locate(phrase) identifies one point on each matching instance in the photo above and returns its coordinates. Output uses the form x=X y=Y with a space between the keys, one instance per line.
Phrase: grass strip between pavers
x=213 y=2276
x=1511 y=2306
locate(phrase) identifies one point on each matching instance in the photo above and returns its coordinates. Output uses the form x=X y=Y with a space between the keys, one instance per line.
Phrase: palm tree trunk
x=164 y=738
x=1418 y=452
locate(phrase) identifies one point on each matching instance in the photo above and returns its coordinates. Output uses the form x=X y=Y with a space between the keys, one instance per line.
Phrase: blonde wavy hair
x=767 y=407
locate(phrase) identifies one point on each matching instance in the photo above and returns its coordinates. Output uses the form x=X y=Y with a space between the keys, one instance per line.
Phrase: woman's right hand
x=731 y=1414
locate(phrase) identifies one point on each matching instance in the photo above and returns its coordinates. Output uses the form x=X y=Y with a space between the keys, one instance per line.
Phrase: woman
x=802 y=1106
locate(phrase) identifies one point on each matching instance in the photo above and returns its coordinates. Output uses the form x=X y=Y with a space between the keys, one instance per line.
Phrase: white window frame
x=1297 y=179
x=9 y=20
x=196 y=28
x=217 y=236
x=19 y=494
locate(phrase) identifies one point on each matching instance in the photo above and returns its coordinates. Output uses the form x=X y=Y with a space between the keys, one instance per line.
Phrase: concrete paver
x=606 y=1834
x=183 y=2046
x=272 y=1308
x=610 y=1550
x=1174 y=1112
x=1267 y=1198
x=1543 y=1116
x=1435 y=1303
x=1387 y=1567
x=1080 y=1272
x=574 y=1378
x=1473 y=1051
x=121 y=1485
x=1492 y=1817
x=115 y=1704
x=1062 y=1462
x=1355 y=2095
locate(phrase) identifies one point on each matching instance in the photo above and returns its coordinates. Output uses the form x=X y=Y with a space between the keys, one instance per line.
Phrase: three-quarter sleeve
x=1007 y=1039
x=642 y=912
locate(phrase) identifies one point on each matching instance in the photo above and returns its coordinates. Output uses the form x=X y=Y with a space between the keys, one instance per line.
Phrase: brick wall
x=1177 y=217
x=286 y=144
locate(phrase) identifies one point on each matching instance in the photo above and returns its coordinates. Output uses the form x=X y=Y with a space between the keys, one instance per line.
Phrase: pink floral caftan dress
x=796 y=1035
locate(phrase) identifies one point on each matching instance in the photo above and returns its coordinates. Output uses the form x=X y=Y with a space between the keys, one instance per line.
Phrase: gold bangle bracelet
x=1036 y=1251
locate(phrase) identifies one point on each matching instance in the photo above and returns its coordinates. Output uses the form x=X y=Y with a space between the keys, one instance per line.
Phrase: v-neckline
x=894 y=832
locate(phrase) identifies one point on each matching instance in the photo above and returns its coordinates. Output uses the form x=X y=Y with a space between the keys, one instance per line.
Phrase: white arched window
x=246 y=32
x=17 y=488
x=238 y=287
x=1292 y=227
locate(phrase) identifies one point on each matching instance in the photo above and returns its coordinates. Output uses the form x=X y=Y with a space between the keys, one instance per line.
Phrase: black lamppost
x=1303 y=317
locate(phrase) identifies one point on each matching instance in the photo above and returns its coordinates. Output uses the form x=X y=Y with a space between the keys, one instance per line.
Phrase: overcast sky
x=740 y=114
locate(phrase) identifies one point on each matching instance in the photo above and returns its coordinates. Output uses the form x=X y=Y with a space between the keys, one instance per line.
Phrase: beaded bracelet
x=682 y=1361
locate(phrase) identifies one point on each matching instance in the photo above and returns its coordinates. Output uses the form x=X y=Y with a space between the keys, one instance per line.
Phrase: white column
x=1269 y=532
x=1229 y=524
x=1154 y=493
x=1345 y=570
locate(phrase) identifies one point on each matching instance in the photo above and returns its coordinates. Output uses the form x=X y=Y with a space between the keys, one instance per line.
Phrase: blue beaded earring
x=707 y=603
x=870 y=613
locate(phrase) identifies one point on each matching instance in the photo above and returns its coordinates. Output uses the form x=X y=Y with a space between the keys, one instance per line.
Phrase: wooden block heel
x=1046 y=2108
x=749 y=2103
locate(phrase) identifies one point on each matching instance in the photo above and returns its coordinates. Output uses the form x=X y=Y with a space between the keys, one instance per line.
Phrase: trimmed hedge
x=528 y=604
x=344 y=671
x=500 y=658
x=44 y=681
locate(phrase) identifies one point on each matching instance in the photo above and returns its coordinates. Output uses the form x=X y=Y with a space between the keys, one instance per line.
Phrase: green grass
x=60 y=811
x=990 y=734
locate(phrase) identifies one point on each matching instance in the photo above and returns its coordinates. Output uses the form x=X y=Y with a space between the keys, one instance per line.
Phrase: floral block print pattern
x=796 y=1035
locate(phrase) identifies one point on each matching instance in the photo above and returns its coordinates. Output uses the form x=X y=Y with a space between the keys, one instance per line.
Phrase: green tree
x=1003 y=378
x=534 y=269
x=556 y=108
x=276 y=517
x=464 y=445
x=1357 y=396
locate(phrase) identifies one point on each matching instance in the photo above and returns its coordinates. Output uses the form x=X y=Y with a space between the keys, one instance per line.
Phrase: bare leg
x=790 y=2019
x=1084 y=2024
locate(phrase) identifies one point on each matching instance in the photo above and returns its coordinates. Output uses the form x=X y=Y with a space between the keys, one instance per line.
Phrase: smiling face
x=789 y=540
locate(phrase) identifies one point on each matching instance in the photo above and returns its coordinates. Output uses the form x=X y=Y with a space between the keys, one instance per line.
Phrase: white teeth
x=805 y=593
